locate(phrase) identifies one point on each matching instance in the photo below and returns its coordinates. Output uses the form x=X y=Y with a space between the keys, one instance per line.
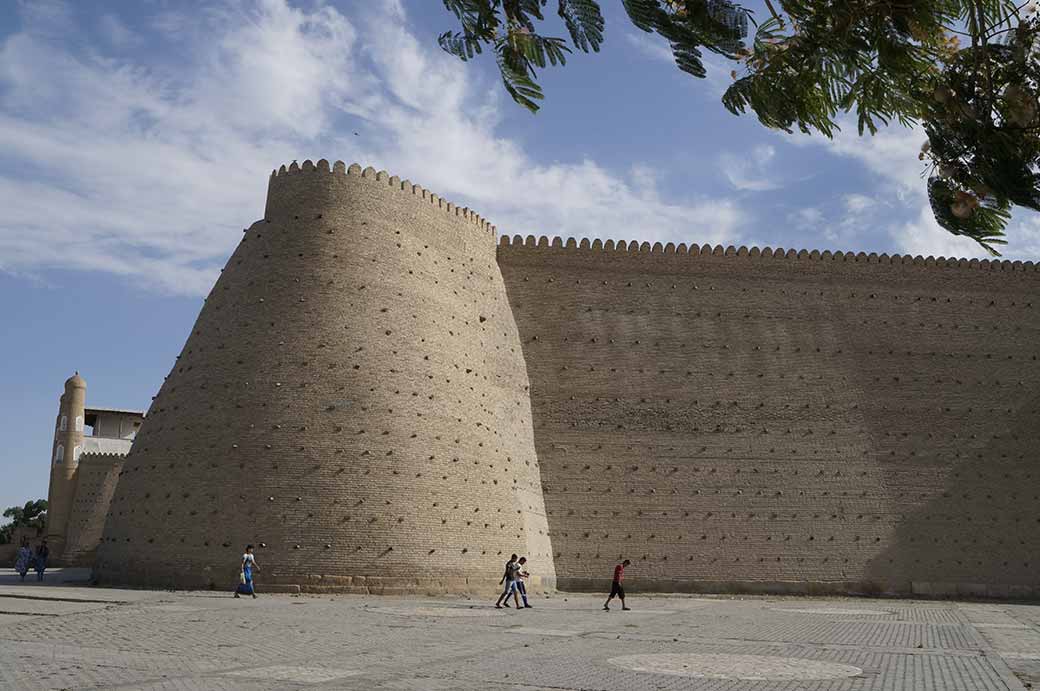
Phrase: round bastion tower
x=68 y=441
x=352 y=399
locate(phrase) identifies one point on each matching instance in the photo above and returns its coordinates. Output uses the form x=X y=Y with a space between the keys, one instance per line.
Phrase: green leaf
x=813 y=60
x=460 y=45
x=584 y=22
x=726 y=25
x=460 y=8
x=688 y=58
x=478 y=17
x=519 y=84
x=537 y=51
x=522 y=11
x=986 y=223
x=645 y=14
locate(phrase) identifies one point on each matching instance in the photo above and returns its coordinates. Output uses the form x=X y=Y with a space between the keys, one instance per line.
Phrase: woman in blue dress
x=246 y=579
x=24 y=559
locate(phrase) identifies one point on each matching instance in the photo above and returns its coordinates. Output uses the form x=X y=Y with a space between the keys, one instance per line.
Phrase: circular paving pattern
x=824 y=610
x=742 y=667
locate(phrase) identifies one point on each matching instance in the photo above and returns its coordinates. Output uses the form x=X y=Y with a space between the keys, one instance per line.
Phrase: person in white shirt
x=520 y=582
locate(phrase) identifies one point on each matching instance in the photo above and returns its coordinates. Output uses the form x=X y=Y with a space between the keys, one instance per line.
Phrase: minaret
x=68 y=441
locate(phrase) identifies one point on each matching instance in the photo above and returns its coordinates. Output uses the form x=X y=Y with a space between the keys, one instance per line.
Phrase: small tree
x=32 y=515
x=967 y=70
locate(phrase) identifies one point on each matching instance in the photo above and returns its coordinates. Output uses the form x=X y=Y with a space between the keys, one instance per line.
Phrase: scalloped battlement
x=657 y=249
x=339 y=168
x=633 y=246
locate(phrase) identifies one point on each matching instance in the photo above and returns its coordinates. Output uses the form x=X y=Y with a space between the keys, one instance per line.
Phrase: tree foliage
x=967 y=71
x=33 y=515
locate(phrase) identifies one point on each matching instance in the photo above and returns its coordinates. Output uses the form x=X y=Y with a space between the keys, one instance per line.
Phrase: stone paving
x=63 y=636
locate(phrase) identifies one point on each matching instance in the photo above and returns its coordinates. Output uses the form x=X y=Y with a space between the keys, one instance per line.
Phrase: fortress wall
x=352 y=399
x=96 y=480
x=773 y=421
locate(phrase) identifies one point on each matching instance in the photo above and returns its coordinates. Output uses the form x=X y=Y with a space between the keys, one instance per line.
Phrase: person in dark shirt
x=616 y=588
x=510 y=578
x=43 y=553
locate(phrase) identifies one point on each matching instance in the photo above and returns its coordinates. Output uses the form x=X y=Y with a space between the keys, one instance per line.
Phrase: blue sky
x=136 y=138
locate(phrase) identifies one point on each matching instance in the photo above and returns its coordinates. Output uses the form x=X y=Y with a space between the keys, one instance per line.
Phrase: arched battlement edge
x=322 y=167
x=544 y=244
x=107 y=455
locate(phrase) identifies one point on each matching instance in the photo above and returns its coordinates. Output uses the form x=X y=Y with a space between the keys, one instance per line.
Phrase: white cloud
x=1023 y=235
x=750 y=172
x=280 y=69
x=650 y=45
x=858 y=203
x=146 y=174
x=150 y=174
x=923 y=236
x=430 y=130
x=718 y=73
x=892 y=156
x=806 y=219
x=861 y=217
x=837 y=232
x=117 y=32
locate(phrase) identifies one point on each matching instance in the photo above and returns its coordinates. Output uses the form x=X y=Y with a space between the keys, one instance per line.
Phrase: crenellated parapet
x=296 y=189
x=646 y=249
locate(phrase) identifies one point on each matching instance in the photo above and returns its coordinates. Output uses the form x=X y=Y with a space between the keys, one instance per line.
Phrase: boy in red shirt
x=616 y=588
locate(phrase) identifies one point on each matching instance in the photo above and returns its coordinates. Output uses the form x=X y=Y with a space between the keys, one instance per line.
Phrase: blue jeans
x=522 y=590
x=511 y=587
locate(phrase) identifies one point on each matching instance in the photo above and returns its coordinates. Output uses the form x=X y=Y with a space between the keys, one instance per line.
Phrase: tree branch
x=772 y=10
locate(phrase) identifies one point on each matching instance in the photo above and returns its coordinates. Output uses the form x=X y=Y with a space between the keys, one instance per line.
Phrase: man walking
x=520 y=582
x=510 y=578
x=616 y=588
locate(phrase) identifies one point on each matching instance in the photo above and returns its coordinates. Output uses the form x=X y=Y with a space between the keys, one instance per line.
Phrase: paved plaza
x=68 y=636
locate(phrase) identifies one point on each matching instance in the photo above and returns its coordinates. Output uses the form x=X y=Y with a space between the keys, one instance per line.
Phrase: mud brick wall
x=781 y=421
x=352 y=399
x=383 y=401
x=96 y=479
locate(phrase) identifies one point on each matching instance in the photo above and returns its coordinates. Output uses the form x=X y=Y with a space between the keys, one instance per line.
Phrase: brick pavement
x=91 y=638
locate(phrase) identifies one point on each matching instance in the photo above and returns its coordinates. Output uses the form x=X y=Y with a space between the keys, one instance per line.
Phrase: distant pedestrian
x=510 y=578
x=520 y=581
x=616 y=588
x=245 y=578
x=42 y=553
x=24 y=559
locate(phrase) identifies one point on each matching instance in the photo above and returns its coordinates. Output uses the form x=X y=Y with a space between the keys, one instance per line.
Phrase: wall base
x=869 y=589
x=354 y=585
